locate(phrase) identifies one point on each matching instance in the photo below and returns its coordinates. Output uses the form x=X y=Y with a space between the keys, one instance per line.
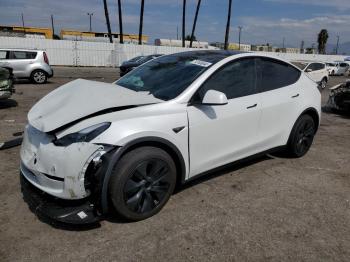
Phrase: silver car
x=27 y=64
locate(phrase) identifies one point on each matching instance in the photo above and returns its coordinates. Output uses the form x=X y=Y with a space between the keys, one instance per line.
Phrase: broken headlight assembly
x=85 y=135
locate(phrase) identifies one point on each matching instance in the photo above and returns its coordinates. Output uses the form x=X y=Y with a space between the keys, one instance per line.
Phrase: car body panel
x=81 y=98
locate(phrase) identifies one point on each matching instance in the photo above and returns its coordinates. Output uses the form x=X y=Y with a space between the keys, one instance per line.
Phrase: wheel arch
x=311 y=111
x=162 y=143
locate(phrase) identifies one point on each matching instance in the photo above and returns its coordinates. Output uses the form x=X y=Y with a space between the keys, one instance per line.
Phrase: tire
x=323 y=83
x=302 y=136
x=142 y=183
x=39 y=76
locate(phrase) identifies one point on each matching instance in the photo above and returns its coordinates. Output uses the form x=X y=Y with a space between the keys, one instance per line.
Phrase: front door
x=224 y=133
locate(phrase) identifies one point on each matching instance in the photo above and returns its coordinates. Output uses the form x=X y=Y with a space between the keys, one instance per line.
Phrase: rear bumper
x=57 y=211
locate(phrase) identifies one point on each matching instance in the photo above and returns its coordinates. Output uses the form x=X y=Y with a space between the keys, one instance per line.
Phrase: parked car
x=316 y=71
x=331 y=68
x=337 y=68
x=27 y=64
x=129 y=65
x=125 y=145
x=6 y=83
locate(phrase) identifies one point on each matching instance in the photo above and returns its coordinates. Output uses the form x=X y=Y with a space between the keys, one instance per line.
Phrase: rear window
x=3 y=54
x=274 y=74
x=22 y=55
x=343 y=65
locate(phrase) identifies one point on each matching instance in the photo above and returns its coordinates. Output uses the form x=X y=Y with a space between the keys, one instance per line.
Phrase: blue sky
x=264 y=21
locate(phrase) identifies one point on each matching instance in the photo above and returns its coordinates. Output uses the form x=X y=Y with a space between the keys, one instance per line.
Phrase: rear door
x=280 y=96
x=20 y=61
x=224 y=133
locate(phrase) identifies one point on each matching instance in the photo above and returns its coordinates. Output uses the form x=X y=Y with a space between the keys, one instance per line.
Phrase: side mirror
x=213 y=97
x=309 y=70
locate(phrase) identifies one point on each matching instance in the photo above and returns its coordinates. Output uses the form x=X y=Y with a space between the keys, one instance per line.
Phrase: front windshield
x=166 y=77
x=330 y=64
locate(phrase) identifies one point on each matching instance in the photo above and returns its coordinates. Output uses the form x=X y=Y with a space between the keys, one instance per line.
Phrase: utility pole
x=141 y=21
x=239 y=37
x=302 y=46
x=53 y=27
x=195 y=21
x=183 y=22
x=90 y=15
x=336 y=50
x=177 y=32
x=121 y=39
x=227 y=34
x=22 y=21
x=284 y=40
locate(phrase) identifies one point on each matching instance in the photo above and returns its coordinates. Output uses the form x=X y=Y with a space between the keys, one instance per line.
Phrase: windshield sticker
x=201 y=63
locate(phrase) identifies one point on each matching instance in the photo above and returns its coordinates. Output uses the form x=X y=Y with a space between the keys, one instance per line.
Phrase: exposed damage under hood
x=339 y=98
x=80 y=99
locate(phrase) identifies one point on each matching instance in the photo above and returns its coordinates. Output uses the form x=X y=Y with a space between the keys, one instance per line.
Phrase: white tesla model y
x=92 y=147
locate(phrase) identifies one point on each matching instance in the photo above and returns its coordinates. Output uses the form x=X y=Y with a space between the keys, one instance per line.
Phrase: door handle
x=249 y=107
x=295 y=96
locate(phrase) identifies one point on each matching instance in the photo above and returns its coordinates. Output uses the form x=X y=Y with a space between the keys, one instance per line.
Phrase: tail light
x=46 y=59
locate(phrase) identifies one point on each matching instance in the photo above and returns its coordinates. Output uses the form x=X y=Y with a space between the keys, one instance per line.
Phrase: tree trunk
x=141 y=21
x=195 y=21
x=183 y=22
x=227 y=35
x=121 y=38
x=107 y=21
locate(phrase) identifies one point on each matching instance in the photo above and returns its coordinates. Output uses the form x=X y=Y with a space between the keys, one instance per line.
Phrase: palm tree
x=195 y=22
x=141 y=21
x=121 y=39
x=107 y=21
x=322 y=41
x=228 y=24
x=183 y=22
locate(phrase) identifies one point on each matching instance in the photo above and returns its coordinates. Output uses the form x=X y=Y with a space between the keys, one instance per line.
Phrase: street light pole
x=239 y=37
x=53 y=27
x=336 y=50
x=22 y=20
x=90 y=15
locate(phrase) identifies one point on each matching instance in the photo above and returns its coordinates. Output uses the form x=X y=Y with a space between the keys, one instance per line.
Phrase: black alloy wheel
x=142 y=182
x=147 y=186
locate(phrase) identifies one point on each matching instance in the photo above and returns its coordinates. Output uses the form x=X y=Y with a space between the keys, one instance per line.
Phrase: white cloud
x=339 y=4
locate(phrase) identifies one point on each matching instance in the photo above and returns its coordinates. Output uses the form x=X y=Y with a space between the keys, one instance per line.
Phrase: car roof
x=212 y=56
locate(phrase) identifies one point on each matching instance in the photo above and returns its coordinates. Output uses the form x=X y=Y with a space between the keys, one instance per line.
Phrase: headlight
x=85 y=135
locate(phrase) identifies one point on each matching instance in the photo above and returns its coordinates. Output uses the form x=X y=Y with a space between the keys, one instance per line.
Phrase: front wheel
x=142 y=182
x=39 y=77
x=302 y=136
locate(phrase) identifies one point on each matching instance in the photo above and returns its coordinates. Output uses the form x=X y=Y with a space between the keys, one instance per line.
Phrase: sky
x=264 y=21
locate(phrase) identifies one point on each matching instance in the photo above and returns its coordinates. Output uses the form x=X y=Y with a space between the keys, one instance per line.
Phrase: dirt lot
x=270 y=209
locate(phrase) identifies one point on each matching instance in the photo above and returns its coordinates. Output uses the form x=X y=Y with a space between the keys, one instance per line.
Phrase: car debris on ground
x=339 y=98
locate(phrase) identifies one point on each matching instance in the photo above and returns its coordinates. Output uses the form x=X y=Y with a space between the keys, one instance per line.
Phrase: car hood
x=80 y=99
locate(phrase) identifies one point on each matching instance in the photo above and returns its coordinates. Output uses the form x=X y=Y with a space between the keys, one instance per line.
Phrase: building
x=178 y=43
x=100 y=37
x=289 y=50
x=241 y=47
x=263 y=48
x=28 y=32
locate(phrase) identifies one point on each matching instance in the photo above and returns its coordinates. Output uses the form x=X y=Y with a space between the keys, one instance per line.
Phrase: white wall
x=79 y=53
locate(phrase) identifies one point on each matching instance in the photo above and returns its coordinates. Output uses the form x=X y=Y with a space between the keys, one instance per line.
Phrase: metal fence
x=80 y=53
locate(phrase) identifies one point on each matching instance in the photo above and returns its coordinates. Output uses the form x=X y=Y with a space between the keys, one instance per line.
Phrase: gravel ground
x=268 y=209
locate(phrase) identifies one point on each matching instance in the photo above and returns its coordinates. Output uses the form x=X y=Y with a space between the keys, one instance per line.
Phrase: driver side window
x=236 y=79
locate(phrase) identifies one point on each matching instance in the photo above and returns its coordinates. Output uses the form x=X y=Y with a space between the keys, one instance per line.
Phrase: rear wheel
x=302 y=136
x=142 y=182
x=39 y=77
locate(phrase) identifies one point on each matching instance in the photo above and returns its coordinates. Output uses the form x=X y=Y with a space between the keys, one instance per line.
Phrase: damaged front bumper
x=63 y=184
